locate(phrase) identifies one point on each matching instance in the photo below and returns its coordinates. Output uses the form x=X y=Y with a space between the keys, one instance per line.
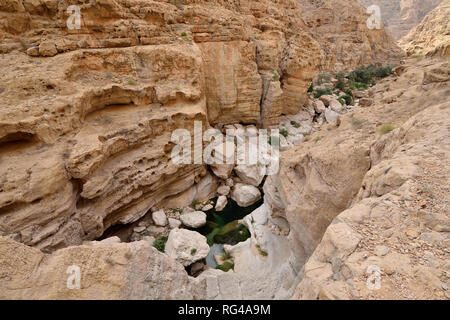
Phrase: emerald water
x=222 y=227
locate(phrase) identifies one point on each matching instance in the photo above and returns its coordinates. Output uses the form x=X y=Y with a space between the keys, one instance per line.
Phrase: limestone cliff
x=432 y=35
x=342 y=30
x=392 y=241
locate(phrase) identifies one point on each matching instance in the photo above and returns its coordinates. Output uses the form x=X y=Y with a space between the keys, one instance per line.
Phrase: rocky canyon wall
x=432 y=36
x=341 y=28
x=86 y=114
x=400 y=16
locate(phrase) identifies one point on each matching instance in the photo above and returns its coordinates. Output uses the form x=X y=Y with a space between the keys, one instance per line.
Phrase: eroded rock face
x=85 y=136
x=432 y=36
x=186 y=246
x=321 y=178
x=97 y=155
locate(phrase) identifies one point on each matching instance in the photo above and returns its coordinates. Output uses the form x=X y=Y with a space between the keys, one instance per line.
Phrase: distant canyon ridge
x=400 y=16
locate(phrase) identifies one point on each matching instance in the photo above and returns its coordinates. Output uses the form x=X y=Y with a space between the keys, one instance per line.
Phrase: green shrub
x=348 y=92
x=160 y=243
x=193 y=251
x=295 y=124
x=131 y=82
x=341 y=101
x=321 y=92
x=227 y=265
x=284 y=132
x=365 y=74
x=185 y=36
x=347 y=98
x=311 y=88
x=231 y=233
x=387 y=127
x=340 y=75
x=340 y=85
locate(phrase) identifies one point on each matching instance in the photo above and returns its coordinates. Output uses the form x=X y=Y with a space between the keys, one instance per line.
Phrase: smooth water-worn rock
x=194 y=219
x=106 y=270
x=245 y=195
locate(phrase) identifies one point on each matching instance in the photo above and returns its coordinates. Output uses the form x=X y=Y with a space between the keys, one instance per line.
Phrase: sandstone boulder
x=365 y=102
x=245 y=195
x=174 y=223
x=159 y=218
x=331 y=116
x=223 y=190
x=186 y=246
x=251 y=174
x=221 y=203
x=194 y=219
x=47 y=49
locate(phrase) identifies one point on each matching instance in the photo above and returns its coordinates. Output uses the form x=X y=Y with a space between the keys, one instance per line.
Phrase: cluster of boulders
x=173 y=226
x=240 y=182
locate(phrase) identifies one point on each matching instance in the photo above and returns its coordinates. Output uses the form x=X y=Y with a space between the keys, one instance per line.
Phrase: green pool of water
x=222 y=226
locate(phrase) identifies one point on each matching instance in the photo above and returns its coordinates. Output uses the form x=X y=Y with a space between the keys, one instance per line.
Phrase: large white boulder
x=319 y=106
x=251 y=174
x=194 y=219
x=159 y=218
x=174 y=223
x=245 y=195
x=221 y=203
x=186 y=246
